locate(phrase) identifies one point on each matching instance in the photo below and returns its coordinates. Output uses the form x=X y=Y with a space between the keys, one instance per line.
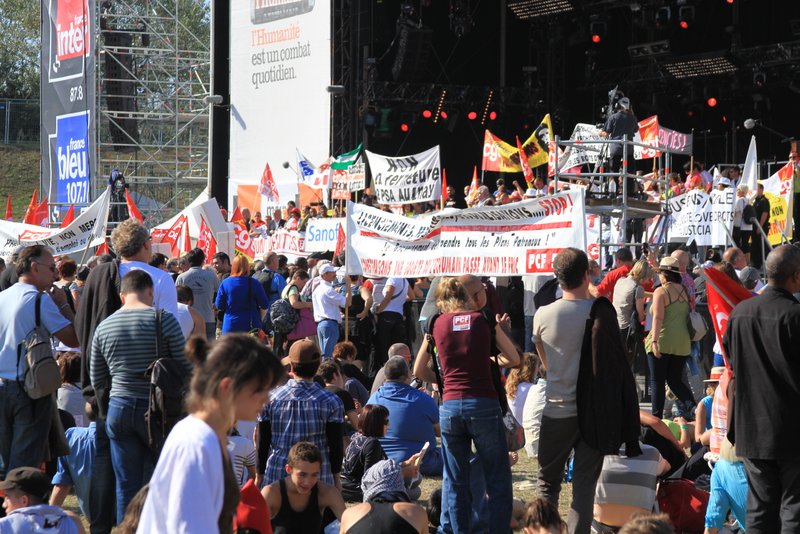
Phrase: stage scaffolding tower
x=152 y=75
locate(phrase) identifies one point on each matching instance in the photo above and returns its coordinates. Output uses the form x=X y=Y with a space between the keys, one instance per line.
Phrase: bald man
x=398 y=349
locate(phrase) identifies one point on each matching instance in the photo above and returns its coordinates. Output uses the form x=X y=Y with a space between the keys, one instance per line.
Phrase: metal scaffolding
x=152 y=76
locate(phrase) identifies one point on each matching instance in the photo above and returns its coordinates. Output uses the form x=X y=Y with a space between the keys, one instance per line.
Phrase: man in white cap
x=327 y=308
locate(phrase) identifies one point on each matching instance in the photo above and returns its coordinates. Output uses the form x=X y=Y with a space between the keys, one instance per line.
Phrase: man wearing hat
x=301 y=410
x=621 y=123
x=25 y=490
x=327 y=308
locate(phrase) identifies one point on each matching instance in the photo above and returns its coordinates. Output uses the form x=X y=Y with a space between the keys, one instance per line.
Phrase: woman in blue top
x=241 y=298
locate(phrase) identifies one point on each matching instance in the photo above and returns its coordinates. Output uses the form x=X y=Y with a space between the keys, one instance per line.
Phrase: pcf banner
x=702 y=217
x=509 y=240
x=408 y=179
x=88 y=228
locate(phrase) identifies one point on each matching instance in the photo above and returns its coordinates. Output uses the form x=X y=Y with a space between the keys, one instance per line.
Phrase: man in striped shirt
x=123 y=347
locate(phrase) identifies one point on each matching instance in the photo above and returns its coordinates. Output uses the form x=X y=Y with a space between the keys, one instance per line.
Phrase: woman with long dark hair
x=193 y=488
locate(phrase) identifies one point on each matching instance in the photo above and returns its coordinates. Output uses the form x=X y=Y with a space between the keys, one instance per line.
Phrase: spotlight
x=404 y=127
x=439 y=106
x=712 y=102
x=427 y=113
x=492 y=115
x=685 y=16
x=729 y=1
x=443 y=115
x=472 y=115
x=597 y=28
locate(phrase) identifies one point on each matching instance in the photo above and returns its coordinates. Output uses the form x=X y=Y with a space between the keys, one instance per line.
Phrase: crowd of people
x=314 y=400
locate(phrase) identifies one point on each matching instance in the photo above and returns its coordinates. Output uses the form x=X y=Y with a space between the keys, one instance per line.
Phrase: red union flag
x=526 y=169
x=133 y=211
x=723 y=294
x=206 y=241
x=173 y=236
x=267 y=187
x=69 y=217
x=244 y=245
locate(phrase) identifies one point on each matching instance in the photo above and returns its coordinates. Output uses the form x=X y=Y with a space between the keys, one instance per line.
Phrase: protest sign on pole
x=88 y=229
x=509 y=240
x=702 y=217
x=778 y=189
x=407 y=179
x=348 y=181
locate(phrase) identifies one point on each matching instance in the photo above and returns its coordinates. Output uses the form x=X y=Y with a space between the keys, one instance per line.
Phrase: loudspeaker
x=413 y=49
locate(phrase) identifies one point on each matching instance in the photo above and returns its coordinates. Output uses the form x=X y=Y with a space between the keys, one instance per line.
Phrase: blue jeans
x=466 y=422
x=102 y=499
x=132 y=457
x=480 y=509
x=328 y=333
x=24 y=427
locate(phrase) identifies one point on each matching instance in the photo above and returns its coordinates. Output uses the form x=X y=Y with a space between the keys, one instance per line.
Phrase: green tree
x=20 y=49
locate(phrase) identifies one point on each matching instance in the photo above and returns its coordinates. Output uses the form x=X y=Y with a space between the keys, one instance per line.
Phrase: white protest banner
x=88 y=229
x=321 y=234
x=508 y=240
x=289 y=243
x=778 y=189
x=702 y=217
x=348 y=181
x=408 y=179
x=585 y=154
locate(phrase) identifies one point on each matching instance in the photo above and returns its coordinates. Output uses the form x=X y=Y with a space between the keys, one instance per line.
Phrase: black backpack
x=283 y=316
x=266 y=279
x=169 y=381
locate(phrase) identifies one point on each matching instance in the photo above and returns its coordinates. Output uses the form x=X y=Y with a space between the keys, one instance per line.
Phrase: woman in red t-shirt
x=470 y=413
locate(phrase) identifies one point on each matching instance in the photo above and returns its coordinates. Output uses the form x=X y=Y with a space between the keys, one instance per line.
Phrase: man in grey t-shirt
x=558 y=330
x=204 y=285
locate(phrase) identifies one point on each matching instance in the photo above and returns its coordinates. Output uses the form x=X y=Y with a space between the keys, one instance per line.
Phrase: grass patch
x=19 y=175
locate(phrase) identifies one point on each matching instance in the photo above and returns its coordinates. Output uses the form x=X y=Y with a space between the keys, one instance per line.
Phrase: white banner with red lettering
x=88 y=229
x=510 y=240
x=289 y=243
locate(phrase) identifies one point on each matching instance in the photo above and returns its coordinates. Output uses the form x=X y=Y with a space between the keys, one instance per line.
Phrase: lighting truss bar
x=529 y=9
x=645 y=51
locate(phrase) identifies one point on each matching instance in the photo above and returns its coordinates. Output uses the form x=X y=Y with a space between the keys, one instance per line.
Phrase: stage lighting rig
x=699 y=67
x=529 y=9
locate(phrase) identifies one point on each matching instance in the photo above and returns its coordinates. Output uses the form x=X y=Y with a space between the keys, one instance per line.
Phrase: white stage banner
x=581 y=155
x=320 y=235
x=88 y=229
x=280 y=68
x=408 y=179
x=702 y=217
x=509 y=240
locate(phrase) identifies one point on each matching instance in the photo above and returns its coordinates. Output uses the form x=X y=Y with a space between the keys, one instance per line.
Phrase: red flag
x=523 y=160
x=102 y=249
x=69 y=217
x=206 y=241
x=133 y=211
x=187 y=239
x=341 y=241
x=244 y=244
x=172 y=236
x=30 y=213
x=42 y=215
x=472 y=195
x=9 y=214
x=445 y=198
x=722 y=294
x=267 y=187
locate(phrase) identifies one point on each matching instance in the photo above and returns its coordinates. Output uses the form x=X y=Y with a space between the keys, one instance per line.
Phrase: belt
x=326 y=319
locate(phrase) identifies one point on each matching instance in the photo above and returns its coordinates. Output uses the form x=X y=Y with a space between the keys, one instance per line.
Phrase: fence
x=19 y=122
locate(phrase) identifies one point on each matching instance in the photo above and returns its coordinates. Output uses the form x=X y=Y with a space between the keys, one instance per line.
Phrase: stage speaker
x=413 y=49
x=119 y=90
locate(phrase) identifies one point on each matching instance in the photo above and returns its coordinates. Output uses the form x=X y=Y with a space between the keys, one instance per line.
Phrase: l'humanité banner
x=509 y=240
x=88 y=228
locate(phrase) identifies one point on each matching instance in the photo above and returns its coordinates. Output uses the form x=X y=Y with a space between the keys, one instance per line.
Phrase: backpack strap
x=38 y=315
x=158 y=333
x=432 y=351
x=38 y=309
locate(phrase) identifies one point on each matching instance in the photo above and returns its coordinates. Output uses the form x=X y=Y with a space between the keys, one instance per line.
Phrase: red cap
x=252 y=511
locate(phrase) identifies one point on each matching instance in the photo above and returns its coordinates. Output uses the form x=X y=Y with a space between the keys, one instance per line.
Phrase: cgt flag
x=267 y=188
x=69 y=217
x=30 y=213
x=499 y=156
x=133 y=211
x=243 y=244
x=723 y=294
x=206 y=241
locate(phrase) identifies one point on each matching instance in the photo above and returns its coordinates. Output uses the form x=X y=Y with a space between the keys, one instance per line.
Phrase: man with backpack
x=124 y=347
x=271 y=280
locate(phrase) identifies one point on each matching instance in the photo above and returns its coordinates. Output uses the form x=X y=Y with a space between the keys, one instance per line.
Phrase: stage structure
x=124 y=89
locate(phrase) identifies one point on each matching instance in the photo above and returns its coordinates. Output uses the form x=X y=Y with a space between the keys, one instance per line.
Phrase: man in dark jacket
x=762 y=342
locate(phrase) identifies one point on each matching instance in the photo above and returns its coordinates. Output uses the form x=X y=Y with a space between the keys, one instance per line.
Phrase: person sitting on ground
x=345 y=353
x=69 y=394
x=332 y=376
x=702 y=421
x=75 y=469
x=656 y=433
x=519 y=383
x=398 y=349
x=242 y=452
x=298 y=501
x=532 y=413
x=25 y=490
x=728 y=490
x=648 y=524
x=365 y=450
x=414 y=418
x=542 y=517
x=626 y=486
x=386 y=508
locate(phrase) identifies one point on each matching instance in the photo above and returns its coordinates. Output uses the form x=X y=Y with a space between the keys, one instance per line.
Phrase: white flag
x=750 y=173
